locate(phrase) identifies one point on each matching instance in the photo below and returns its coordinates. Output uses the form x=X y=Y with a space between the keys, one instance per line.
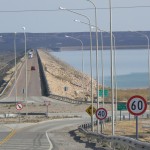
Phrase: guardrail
x=65 y=99
x=115 y=142
x=76 y=101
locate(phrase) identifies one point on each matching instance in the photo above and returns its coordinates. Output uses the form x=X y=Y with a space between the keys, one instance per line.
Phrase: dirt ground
x=128 y=128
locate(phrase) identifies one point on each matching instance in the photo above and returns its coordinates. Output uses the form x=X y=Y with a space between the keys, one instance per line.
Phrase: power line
x=50 y=10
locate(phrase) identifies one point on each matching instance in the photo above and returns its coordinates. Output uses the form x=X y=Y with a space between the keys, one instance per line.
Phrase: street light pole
x=115 y=76
x=144 y=35
x=102 y=50
x=112 y=68
x=82 y=61
x=114 y=57
x=26 y=69
x=91 y=48
x=97 y=72
x=15 y=68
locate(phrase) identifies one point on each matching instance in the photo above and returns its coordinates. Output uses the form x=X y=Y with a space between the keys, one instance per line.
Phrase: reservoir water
x=131 y=66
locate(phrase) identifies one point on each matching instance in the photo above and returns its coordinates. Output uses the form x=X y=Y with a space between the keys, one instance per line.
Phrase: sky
x=44 y=16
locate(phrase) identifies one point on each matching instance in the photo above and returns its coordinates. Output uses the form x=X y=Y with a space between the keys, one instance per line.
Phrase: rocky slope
x=64 y=80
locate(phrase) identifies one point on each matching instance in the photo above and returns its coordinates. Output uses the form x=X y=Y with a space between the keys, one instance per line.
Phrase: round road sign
x=137 y=105
x=19 y=106
x=101 y=113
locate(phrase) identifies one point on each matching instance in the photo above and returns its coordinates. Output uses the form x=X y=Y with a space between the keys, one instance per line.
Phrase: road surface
x=33 y=82
x=54 y=134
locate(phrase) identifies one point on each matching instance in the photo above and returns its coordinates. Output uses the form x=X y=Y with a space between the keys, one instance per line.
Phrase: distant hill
x=58 y=41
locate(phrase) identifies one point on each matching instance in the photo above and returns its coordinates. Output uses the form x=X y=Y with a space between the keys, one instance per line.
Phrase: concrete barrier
x=45 y=88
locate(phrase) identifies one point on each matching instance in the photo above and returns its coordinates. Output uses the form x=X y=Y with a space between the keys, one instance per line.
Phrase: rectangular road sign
x=121 y=106
x=105 y=93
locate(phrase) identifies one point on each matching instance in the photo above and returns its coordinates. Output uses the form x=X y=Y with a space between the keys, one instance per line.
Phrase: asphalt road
x=39 y=136
x=33 y=79
x=42 y=136
x=54 y=134
x=33 y=82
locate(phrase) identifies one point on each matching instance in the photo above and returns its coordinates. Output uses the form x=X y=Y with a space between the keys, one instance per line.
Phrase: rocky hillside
x=64 y=80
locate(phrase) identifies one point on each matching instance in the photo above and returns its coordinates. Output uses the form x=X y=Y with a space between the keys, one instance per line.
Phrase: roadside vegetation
x=124 y=94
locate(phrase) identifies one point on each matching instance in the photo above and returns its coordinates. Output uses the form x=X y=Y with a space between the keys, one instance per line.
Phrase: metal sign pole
x=19 y=116
x=120 y=115
x=101 y=126
x=137 y=105
x=137 y=136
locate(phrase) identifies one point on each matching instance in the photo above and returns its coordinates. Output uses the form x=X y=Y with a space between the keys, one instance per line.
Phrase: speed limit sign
x=137 y=105
x=101 y=113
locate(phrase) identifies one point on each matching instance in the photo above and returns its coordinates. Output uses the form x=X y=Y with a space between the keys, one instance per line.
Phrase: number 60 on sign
x=137 y=105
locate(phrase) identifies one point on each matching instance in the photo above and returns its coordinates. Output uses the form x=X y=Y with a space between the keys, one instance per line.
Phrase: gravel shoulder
x=68 y=139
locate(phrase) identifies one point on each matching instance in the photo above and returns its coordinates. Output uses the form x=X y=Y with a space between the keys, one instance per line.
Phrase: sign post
x=101 y=114
x=137 y=105
x=19 y=106
x=89 y=111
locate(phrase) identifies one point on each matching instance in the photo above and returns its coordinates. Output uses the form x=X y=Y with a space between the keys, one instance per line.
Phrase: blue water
x=133 y=80
x=131 y=66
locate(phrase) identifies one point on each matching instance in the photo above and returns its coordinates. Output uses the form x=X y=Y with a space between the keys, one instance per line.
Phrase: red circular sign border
x=137 y=96
x=98 y=110
x=17 y=104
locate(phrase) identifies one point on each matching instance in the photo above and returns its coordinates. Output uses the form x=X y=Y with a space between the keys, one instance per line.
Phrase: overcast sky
x=126 y=15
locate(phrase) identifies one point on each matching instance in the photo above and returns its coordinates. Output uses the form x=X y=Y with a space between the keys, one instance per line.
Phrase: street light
x=115 y=75
x=15 y=68
x=82 y=60
x=97 y=72
x=112 y=69
x=26 y=68
x=144 y=35
x=113 y=63
x=92 y=119
x=148 y=70
x=92 y=26
x=97 y=29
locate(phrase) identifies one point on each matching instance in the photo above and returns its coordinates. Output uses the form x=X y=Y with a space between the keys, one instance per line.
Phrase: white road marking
x=50 y=143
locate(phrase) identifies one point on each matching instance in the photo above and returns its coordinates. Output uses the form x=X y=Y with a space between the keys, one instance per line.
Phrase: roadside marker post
x=47 y=103
x=137 y=105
